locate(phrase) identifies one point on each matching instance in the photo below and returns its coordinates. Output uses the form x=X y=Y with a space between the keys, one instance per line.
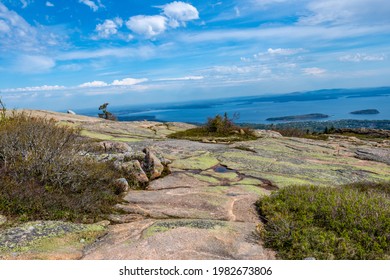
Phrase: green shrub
x=43 y=174
x=351 y=222
x=217 y=128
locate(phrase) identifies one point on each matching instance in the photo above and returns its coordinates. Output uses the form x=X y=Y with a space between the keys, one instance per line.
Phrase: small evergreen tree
x=106 y=115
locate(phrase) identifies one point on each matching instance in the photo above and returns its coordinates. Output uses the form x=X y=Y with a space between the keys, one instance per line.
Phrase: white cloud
x=49 y=4
x=347 y=11
x=94 y=7
x=173 y=15
x=186 y=78
x=25 y=3
x=33 y=64
x=128 y=82
x=124 y=82
x=148 y=26
x=109 y=27
x=180 y=11
x=314 y=71
x=4 y=28
x=362 y=57
x=17 y=34
x=93 y=84
x=232 y=69
x=146 y=51
x=39 y=88
x=280 y=51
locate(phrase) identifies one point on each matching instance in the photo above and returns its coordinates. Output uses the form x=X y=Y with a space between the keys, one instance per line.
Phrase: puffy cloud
x=180 y=11
x=314 y=71
x=148 y=26
x=173 y=15
x=94 y=84
x=362 y=57
x=109 y=27
x=128 y=82
x=94 y=7
x=49 y=4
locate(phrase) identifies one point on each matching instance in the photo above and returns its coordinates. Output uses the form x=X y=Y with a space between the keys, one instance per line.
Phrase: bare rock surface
x=205 y=208
x=180 y=239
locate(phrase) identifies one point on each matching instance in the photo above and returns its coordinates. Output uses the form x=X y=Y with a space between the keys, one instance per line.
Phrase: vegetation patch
x=349 y=222
x=44 y=175
x=217 y=129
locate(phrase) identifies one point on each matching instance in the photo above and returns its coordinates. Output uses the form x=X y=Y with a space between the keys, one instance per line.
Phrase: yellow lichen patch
x=255 y=189
x=249 y=181
x=101 y=136
x=201 y=162
x=206 y=178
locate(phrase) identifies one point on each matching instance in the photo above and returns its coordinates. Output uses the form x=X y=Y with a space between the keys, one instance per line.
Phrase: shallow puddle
x=222 y=169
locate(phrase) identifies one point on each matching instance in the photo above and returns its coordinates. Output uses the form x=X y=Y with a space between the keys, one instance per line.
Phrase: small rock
x=71 y=112
x=3 y=220
x=165 y=161
x=310 y=259
x=82 y=240
x=152 y=165
x=140 y=156
x=242 y=132
x=116 y=147
x=121 y=185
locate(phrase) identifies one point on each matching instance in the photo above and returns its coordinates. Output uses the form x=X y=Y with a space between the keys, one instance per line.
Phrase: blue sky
x=80 y=53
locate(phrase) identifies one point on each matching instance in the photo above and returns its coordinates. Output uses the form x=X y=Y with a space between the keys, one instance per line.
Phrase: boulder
x=152 y=165
x=121 y=185
x=134 y=167
x=114 y=147
x=267 y=133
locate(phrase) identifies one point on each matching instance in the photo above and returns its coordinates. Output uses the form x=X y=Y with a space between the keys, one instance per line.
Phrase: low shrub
x=43 y=174
x=217 y=128
x=350 y=222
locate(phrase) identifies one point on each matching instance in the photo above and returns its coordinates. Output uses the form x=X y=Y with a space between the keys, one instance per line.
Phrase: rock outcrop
x=203 y=209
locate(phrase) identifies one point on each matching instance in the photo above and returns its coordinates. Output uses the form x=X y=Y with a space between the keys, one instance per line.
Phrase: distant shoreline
x=313 y=116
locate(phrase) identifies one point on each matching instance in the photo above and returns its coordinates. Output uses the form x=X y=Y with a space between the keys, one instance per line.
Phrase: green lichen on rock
x=206 y=178
x=163 y=226
x=202 y=162
x=101 y=136
x=44 y=235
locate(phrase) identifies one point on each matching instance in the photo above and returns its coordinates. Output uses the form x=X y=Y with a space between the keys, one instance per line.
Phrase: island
x=300 y=117
x=366 y=112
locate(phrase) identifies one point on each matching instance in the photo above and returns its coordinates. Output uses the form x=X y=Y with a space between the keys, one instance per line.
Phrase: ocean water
x=257 y=109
